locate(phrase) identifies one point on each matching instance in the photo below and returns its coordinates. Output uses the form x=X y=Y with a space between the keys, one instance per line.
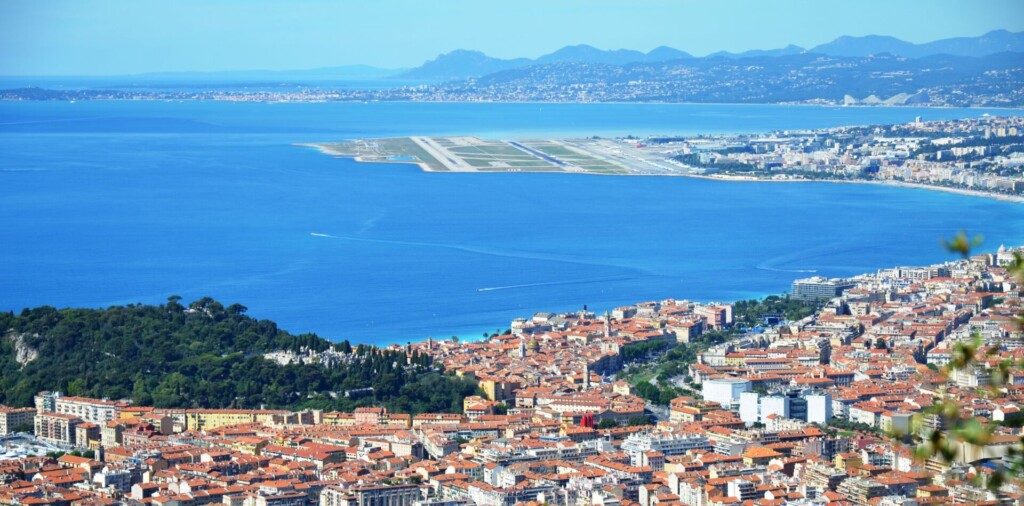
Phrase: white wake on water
x=480 y=251
x=550 y=283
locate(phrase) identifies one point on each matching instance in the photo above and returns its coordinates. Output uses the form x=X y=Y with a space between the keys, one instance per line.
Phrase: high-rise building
x=774 y=405
x=819 y=408
x=750 y=407
x=817 y=288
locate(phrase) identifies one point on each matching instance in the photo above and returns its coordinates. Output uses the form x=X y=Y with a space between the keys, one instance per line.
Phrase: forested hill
x=204 y=355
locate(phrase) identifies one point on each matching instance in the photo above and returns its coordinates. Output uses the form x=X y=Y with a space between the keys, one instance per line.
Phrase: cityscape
x=817 y=409
x=532 y=253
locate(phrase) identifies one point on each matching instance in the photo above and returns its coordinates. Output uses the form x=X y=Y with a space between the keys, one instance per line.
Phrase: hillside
x=996 y=41
x=203 y=355
x=462 y=64
x=935 y=80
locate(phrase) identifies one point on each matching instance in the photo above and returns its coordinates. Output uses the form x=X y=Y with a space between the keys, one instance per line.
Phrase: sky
x=104 y=37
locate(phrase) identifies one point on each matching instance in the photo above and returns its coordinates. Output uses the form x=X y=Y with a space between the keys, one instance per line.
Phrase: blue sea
x=106 y=203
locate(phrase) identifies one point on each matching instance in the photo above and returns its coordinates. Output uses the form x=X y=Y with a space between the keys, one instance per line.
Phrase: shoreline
x=897 y=184
x=1016 y=108
x=327 y=150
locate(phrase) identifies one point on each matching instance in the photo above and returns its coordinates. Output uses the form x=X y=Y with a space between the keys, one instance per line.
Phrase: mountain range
x=463 y=64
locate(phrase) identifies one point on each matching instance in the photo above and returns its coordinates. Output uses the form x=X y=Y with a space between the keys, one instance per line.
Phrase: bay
x=118 y=202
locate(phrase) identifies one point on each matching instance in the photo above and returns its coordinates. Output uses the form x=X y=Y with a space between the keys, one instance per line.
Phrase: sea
x=117 y=202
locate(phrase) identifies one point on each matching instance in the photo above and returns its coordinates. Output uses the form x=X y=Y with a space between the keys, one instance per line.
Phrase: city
x=831 y=407
x=529 y=253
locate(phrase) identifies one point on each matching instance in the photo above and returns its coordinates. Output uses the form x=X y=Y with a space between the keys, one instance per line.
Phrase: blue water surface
x=115 y=202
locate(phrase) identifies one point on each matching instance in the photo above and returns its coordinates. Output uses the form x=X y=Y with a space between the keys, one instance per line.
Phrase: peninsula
x=983 y=156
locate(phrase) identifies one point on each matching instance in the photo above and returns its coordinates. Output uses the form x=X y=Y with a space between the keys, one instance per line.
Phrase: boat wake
x=552 y=283
x=478 y=251
x=773 y=269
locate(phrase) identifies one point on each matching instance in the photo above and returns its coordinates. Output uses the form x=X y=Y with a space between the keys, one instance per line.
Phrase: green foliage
x=205 y=356
x=962 y=430
x=655 y=394
x=642 y=350
x=751 y=312
x=847 y=425
x=607 y=423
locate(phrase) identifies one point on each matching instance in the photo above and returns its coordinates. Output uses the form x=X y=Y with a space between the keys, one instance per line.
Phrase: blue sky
x=87 y=37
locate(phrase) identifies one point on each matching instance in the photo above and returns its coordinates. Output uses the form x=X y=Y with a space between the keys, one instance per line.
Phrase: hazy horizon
x=103 y=38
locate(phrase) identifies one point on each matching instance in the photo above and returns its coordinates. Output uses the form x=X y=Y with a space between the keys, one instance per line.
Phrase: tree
x=76 y=387
x=174 y=303
x=943 y=443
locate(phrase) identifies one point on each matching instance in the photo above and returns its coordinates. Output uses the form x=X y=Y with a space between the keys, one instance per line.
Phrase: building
x=742 y=490
x=818 y=288
x=819 y=408
x=795 y=405
x=56 y=428
x=668 y=444
x=823 y=476
x=724 y=391
x=370 y=495
x=777 y=405
x=206 y=419
x=860 y=491
x=750 y=407
x=15 y=419
x=98 y=411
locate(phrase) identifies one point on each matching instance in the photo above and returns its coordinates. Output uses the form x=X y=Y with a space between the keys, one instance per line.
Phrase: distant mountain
x=462 y=64
x=754 y=53
x=997 y=41
x=665 y=53
x=583 y=53
x=865 y=46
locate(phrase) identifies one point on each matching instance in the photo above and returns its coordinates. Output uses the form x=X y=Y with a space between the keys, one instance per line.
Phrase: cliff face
x=23 y=353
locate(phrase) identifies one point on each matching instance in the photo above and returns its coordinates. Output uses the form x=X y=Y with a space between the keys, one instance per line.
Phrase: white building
x=774 y=405
x=750 y=408
x=666 y=443
x=819 y=408
x=724 y=391
x=98 y=411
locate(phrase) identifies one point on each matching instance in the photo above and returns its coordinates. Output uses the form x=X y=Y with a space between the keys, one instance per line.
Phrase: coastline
x=1013 y=108
x=899 y=184
x=327 y=150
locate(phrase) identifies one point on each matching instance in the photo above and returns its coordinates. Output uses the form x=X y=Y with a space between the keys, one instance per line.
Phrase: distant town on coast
x=982 y=156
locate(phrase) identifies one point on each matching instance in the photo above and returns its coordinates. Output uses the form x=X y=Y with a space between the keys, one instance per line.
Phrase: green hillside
x=203 y=355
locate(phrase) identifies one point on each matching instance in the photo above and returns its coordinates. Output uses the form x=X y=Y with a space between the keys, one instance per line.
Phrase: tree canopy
x=205 y=355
